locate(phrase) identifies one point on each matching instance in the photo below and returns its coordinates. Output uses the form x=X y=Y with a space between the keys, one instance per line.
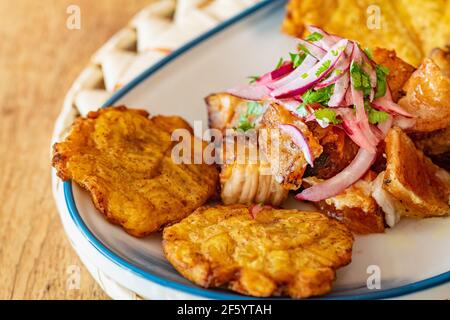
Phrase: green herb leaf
x=321 y=96
x=360 y=79
x=369 y=53
x=323 y=68
x=303 y=48
x=279 y=64
x=297 y=58
x=376 y=116
x=315 y=36
x=254 y=108
x=381 y=72
x=246 y=119
x=244 y=124
x=327 y=115
x=252 y=79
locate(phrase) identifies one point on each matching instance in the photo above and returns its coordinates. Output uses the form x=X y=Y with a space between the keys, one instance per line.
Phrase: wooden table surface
x=39 y=59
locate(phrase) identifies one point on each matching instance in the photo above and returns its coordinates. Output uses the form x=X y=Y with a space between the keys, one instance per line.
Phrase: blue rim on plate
x=194 y=290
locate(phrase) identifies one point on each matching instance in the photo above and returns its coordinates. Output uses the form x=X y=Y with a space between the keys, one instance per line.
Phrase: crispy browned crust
x=354 y=207
x=399 y=70
x=287 y=160
x=411 y=178
x=338 y=151
x=123 y=159
x=280 y=252
x=427 y=97
x=399 y=28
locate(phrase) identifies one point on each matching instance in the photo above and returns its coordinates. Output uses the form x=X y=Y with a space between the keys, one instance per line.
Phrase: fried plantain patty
x=276 y=252
x=123 y=159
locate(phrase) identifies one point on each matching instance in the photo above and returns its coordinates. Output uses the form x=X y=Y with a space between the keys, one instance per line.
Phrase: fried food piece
x=430 y=20
x=410 y=28
x=338 y=151
x=399 y=70
x=287 y=160
x=225 y=111
x=246 y=177
x=427 y=97
x=277 y=252
x=435 y=145
x=391 y=27
x=415 y=186
x=354 y=207
x=123 y=159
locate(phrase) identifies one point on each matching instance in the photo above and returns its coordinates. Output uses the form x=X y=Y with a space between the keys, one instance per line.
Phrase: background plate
x=412 y=256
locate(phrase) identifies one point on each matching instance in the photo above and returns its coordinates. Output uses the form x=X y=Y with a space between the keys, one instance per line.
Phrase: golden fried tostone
x=123 y=159
x=277 y=252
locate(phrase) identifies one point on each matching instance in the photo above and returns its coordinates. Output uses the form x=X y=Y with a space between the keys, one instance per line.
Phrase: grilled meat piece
x=428 y=95
x=273 y=252
x=123 y=159
x=225 y=111
x=412 y=185
x=246 y=177
x=287 y=160
x=354 y=207
x=338 y=151
x=399 y=70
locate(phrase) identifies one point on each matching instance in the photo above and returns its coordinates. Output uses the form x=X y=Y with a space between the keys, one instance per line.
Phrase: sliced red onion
x=368 y=67
x=307 y=64
x=354 y=131
x=276 y=74
x=301 y=84
x=316 y=51
x=289 y=104
x=340 y=88
x=335 y=185
x=352 y=173
x=250 y=92
x=358 y=101
x=299 y=139
x=386 y=104
x=385 y=126
x=341 y=67
x=328 y=40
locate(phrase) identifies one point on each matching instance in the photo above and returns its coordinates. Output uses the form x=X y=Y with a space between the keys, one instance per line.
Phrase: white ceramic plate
x=413 y=256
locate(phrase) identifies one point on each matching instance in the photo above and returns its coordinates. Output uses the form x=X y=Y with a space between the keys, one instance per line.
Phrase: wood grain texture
x=39 y=59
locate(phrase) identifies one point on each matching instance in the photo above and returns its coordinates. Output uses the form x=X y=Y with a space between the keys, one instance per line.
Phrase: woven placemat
x=157 y=30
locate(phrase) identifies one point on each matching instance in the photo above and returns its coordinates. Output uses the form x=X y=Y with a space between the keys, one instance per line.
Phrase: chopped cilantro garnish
x=280 y=63
x=244 y=124
x=297 y=58
x=315 y=36
x=327 y=115
x=369 y=53
x=254 y=109
x=381 y=72
x=304 y=76
x=321 y=96
x=303 y=48
x=376 y=116
x=323 y=68
x=334 y=52
x=252 y=79
x=360 y=79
